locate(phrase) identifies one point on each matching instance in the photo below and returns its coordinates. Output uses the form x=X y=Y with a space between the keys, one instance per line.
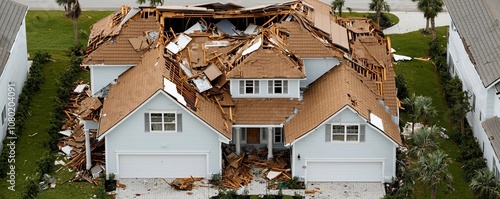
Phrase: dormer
x=267 y=72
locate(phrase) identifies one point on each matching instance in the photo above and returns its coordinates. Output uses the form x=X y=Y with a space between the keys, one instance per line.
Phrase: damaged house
x=180 y=84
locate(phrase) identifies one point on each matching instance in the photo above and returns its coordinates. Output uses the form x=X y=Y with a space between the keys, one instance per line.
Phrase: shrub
x=31 y=188
x=473 y=165
x=44 y=164
x=401 y=86
x=294 y=183
x=215 y=180
x=100 y=191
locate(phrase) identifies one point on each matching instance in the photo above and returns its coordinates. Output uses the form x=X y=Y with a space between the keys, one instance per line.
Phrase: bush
x=401 y=86
x=385 y=22
x=294 y=183
x=31 y=188
x=44 y=164
x=473 y=165
x=215 y=180
x=100 y=191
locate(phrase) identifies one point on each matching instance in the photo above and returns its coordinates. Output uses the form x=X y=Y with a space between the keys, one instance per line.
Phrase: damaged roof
x=478 y=24
x=197 y=50
x=11 y=17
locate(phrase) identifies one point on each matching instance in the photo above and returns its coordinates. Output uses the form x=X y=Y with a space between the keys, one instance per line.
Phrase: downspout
x=87 y=149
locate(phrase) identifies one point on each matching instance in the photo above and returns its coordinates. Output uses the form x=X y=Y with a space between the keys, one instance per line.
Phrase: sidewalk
x=412 y=21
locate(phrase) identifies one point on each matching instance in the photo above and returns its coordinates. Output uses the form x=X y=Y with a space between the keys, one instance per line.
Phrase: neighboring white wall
x=130 y=136
x=102 y=75
x=316 y=67
x=293 y=89
x=376 y=146
x=15 y=71
x=485 y=100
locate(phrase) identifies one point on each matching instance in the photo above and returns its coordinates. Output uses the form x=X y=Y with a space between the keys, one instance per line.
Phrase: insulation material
x=179 y=43
x=401 y=58
x=197 y=27
x=202 y=84
x=256 y=43
x=171 y=89
x=226 y=27
x=80 y=88
x=252 y=29
x=65 y=132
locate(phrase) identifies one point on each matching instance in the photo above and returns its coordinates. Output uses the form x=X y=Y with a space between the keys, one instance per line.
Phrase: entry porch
x=270 y=137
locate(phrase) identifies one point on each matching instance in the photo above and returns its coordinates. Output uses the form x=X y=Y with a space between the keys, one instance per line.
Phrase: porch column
x=269 y=143
x=87 y=150
x=238 y=140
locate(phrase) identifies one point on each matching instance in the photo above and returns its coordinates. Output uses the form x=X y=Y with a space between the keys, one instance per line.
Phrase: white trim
x=109 y=65
x=256 y=125
x=347 y=160
x=206 y=153
x=168 y=96
x=284 y=89
x=345 y=132
x=162 y=121
x=106 y=154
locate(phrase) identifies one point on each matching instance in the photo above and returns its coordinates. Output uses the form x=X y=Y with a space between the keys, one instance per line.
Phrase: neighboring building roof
x=119 y=50
x=338 y=88
x=264 y=111
x=478 y=24
x=11 y=17
x=268 y=63
x=302 y=43
x=492 y=129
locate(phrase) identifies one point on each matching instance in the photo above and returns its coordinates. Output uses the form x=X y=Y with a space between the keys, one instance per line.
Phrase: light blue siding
x=130 y=137
x=101 y=76
x=314 y=146
x=315 y=68
x=293 y=90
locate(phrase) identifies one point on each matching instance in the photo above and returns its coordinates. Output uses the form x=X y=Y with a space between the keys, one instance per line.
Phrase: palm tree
x=461 y=108
x=432 y=170
x=378 y=6
x=337 y=5
x=72 y=11
x=431 y=9
x=423 y=142
x=485 y=184
x=420 y=107
x=152 y=3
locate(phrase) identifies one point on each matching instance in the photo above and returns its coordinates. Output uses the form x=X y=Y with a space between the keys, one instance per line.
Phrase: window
x=4 y=114
x=473 y=102
x=163 y=122
x=345 y=133
x=278 y=87
x=278 y=135
x=249 y=87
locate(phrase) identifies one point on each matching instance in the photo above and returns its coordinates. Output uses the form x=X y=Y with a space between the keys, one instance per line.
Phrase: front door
x=253 y=136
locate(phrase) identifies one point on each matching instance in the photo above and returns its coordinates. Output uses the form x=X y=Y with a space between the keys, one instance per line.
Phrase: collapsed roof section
x=190 y=52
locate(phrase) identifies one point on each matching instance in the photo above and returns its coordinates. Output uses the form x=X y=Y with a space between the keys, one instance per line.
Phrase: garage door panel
x=344 y=171
x=162 y=166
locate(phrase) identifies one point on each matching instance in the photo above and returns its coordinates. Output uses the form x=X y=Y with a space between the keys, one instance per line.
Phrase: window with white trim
x=163 y=122
x=278 y=135
x=249 y=86
x=345 y=133
x=277 y=86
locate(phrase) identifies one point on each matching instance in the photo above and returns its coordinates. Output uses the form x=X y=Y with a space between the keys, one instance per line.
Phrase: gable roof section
x=340 y=87
x=268 y=63
x=478 y=24
x=141 y=82
x=264 y=111
x=492 y=129
x=11 y=17
x=303 y=44
x=119 y=50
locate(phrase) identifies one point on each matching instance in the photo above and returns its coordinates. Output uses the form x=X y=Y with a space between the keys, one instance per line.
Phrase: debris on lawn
x=48 y=182
x=185 y=184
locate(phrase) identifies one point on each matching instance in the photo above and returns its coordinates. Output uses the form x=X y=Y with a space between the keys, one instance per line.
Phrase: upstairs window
x=249 y=87
x=163 y=122
x=278 y=87
x=345 y=133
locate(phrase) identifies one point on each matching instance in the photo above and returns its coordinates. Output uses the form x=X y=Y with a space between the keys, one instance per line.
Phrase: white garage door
x=318 y=171
x=162 y=165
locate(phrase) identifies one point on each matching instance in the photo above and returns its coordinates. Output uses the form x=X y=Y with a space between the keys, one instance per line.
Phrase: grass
x=422 y=78
x=48 y=31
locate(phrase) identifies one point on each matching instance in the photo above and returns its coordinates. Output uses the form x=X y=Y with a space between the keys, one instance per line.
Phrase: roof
x=11 y=17
x=249 y=111
x=303 y=44
x=257 y=65
x=478 y=24
x=130 y=92
x=492 y=129
x=339 y=88
x=119 y=50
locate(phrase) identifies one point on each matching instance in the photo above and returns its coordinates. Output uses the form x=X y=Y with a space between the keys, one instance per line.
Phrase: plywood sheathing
x=105 y=29
x=118 y=50
x=329 y=94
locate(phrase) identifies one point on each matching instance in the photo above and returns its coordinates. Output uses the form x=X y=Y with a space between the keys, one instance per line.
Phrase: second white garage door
x=162 y=165
x=330 y=171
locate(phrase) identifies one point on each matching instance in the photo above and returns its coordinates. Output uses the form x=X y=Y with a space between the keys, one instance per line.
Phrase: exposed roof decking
x=478 y=24
x=11 y=17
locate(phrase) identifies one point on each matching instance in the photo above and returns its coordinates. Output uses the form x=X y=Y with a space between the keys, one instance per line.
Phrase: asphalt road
x=357 y=5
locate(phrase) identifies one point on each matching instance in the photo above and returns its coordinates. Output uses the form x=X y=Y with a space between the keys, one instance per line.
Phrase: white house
x=13 y=57
x=175 y=91
x=474 y=56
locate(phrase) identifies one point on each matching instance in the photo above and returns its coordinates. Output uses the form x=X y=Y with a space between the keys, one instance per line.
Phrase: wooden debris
x=184 y=183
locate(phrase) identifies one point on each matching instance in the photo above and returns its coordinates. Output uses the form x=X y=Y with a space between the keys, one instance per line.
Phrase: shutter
x=179 y=122
x=242 y=87
x=146 y=122
x=270 y=87
x=362 y=133
x=285 y=87
x=256 y=84
x=328 y=133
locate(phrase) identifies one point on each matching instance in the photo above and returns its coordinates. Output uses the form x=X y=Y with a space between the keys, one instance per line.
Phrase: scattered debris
x=401 y=58
x=184 y=183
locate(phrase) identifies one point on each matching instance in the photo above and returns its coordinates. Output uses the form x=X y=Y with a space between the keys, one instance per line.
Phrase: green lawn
x=394 y=19
x=48 y=31
x=422 y=79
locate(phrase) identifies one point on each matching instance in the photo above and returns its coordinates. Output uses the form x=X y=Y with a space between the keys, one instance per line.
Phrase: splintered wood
x=186 y=184
x=81 y=107
x=237 y=168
